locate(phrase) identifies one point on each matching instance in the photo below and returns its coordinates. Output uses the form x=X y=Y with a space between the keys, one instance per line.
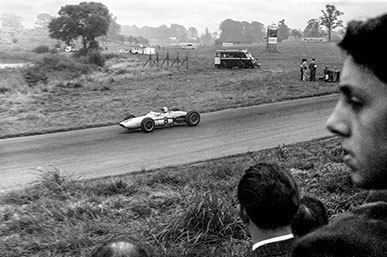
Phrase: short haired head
x=311 y=215
x=366 y=42
x=269 y=195
x=119 y=248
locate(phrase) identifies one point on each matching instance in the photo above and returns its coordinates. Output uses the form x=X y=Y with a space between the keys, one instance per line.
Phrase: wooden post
x=177 y=60
x=187 y=60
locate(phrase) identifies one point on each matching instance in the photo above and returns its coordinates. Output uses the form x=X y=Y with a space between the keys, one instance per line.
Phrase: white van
x=188 y=46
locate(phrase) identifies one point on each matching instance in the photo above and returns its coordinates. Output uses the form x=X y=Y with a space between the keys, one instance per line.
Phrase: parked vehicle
x=235 y=58
x=165 y=118
x=188 y=46
x=142 y=50
x=136 y=50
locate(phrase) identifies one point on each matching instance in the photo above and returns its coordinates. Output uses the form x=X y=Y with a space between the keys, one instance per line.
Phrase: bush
x=33 y=76
x=62 y=64
x=41 y=49
x=96 y=58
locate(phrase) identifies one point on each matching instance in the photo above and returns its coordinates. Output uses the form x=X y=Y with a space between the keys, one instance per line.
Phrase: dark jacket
x=277 y=249
x=360 y=233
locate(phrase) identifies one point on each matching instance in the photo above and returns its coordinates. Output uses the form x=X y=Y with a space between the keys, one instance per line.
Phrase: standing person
x=312 y=69
x=360 y=120
x=269 y=199
x=303 y=69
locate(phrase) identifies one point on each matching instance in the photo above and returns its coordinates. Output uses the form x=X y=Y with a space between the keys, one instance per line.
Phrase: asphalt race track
x=112 y=150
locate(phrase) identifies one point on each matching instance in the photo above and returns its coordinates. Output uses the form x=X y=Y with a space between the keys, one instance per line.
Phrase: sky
x=203 y=14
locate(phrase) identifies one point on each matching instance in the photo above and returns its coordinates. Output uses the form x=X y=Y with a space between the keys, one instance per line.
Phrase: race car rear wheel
x=192 y=118
x=147 y=125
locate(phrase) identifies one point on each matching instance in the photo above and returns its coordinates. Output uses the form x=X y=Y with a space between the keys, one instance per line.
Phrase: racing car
x=165 y=118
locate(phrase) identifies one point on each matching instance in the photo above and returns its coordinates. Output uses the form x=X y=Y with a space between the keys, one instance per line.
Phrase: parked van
x=188 y=46
x=234 y=58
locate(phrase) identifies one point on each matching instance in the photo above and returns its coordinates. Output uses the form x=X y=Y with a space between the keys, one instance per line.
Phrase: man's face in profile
x=360 y=119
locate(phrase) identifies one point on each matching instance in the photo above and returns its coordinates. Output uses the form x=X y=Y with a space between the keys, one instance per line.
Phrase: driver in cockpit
x=164 y=110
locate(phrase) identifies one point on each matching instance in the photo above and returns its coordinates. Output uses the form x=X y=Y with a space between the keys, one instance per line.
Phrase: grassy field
x=106 y=95
x=187 y=210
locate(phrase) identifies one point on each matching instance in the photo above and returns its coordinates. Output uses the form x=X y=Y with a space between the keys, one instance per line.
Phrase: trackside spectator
x=268 y=197
x=303 y=69
x=312 y=69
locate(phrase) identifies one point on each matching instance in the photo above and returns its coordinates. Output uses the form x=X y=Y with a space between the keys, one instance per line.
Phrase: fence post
x=177 y=61
x=187 y=60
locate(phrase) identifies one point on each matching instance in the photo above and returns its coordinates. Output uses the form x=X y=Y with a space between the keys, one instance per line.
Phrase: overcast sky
x=203 y=13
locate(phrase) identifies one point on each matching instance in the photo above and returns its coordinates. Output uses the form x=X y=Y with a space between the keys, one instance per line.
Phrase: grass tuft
x=115 y=187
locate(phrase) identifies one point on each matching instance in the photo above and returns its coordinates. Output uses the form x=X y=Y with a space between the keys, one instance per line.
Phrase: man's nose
x=337 y=122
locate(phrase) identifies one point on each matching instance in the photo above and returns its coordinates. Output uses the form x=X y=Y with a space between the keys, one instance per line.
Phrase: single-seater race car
x=164 y=118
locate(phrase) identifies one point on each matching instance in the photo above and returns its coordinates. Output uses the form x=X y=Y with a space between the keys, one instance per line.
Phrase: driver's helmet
x=164 y=109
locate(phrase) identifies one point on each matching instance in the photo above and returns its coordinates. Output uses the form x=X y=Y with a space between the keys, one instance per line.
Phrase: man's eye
x=354 y=101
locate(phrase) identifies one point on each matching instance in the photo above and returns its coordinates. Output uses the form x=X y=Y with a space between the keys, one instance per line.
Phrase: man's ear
x=243 y=215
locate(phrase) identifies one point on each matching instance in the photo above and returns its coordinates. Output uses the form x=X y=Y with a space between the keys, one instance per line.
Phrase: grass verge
x=188 y=210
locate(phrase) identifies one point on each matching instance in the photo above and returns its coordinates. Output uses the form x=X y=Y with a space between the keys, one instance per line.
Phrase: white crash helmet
x=165 y=109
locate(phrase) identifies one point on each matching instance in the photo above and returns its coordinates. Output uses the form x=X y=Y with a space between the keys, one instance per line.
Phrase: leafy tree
x=43 y=19
x=178 y=31
x=85 y=20
x=230 y=31
x=330 y=20
x=296 y=33
x=241 y=32
x=313 y=28
x=114 y=29
x=193 y=32
x=11 y=20
x=283 y=31
x=258 y=32
x=206 y=38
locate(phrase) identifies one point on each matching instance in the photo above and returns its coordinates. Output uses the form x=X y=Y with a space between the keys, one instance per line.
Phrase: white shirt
x=272 y=240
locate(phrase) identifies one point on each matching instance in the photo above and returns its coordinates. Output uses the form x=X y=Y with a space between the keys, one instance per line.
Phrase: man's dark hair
x=366 y=42
x=311 y=215
x=269 y=195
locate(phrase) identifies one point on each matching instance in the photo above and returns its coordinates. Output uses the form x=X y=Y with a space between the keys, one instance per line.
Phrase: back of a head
x=311 y=215
x=119 y=248
x=269 y=195
x=366 y=42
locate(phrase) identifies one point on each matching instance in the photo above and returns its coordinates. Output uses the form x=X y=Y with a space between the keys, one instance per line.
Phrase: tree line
x=89 y=21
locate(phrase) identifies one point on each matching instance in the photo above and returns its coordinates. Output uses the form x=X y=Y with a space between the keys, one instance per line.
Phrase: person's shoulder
x=358 y=233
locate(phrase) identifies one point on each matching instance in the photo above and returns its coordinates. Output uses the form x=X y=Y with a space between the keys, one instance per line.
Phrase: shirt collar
x=272 y=240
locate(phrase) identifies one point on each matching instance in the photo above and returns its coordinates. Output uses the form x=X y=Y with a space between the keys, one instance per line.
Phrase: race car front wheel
x=192 y=118
x=147 y=125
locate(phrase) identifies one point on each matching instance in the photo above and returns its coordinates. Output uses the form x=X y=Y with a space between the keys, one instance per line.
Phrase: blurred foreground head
x=311 y=215
x=268 y=195
x=119 y=248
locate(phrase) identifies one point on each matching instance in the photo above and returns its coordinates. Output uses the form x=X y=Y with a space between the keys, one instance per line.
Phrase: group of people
x=273 y=212
x=308 y=70
x=280 y=221
x=360 y=120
